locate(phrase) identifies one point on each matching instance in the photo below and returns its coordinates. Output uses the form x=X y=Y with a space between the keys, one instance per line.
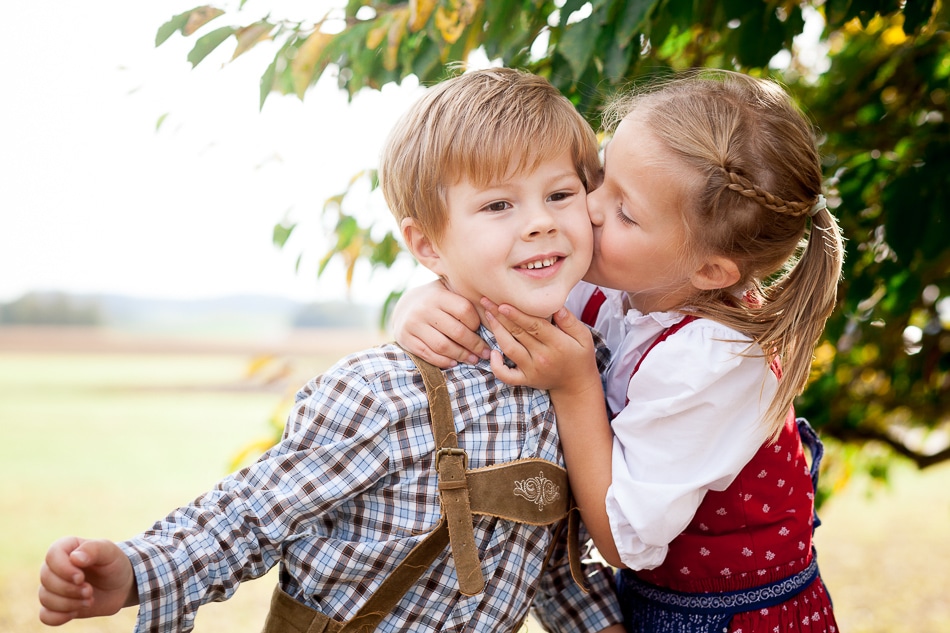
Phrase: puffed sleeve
x=692 y=423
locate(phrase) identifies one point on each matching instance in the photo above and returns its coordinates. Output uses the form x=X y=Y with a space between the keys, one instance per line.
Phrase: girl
x=716 y=263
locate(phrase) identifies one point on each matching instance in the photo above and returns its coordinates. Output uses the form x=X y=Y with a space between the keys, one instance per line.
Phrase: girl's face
x=639 y=233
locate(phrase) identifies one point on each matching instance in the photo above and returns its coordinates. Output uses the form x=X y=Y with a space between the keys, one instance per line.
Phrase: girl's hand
x=439 y=326
x=559 y=357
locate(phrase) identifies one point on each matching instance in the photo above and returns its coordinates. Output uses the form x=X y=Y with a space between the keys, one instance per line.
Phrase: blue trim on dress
x=648 y=608
x=817 y=450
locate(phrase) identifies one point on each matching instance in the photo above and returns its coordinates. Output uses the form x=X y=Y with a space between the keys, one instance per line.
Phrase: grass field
x=99 y=442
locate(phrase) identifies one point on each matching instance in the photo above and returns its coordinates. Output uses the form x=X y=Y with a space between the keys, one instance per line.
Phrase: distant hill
x=225 y=315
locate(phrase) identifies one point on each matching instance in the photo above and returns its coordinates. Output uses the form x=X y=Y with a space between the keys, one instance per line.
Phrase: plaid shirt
x=350 y=490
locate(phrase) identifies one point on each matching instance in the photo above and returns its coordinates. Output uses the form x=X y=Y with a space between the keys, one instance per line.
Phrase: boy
x=487 y=176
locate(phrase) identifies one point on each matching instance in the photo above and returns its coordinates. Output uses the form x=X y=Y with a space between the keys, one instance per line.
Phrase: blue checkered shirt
x=350 y=490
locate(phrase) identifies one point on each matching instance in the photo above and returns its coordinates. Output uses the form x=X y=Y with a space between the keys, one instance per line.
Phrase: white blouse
x=692 y=423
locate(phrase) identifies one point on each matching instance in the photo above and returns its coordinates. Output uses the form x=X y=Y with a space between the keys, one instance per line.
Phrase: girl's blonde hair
x=757 y=181
x=485 y=126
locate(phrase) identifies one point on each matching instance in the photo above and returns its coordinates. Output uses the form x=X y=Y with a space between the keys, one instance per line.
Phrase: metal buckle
x=451 y=452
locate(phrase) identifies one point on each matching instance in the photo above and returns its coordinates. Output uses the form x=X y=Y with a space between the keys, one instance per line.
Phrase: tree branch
x=922 y=460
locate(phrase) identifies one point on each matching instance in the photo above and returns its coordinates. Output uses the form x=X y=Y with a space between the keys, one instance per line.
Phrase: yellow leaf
x=250 y=36
x=447 y=22
x=394 y=38
x=376 y=35
x=452 y=18
x=304 y=64
x=199 y=17
x=894 y=35
x=257 y=364
x=420 y=10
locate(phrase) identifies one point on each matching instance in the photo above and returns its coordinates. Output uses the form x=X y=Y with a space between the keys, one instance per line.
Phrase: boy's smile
x=525 y=241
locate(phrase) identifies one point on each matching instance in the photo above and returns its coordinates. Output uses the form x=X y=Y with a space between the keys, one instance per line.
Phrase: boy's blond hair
x=486 y=126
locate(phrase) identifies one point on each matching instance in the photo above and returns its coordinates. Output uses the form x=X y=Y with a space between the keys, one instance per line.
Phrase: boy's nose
x=542 y=222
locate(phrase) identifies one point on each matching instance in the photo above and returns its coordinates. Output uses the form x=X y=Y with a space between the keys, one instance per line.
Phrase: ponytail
x=795 y=310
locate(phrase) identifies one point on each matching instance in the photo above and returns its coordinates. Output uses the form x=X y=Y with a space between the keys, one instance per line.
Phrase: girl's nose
x=595 y=206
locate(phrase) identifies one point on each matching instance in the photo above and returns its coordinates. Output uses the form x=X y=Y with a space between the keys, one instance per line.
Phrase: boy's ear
x=420 y=245
x=717 y=272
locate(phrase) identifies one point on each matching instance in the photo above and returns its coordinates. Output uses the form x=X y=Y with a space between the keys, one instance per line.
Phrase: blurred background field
x=101 y=434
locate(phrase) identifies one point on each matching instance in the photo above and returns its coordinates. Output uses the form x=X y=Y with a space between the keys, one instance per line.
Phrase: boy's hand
x=439 y=326
x=83 y=579
x=557 y=357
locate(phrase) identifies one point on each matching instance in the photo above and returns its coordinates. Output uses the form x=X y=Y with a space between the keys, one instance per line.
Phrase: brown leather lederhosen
x=533 y=491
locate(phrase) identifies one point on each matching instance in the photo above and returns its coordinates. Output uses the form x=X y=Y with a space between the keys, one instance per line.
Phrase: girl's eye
x=500 y=205
x=559 y=196
x=623 y=217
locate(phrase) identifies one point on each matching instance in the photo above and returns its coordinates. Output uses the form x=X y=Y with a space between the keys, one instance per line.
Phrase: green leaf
x=618 y=61
x=267 y=81
x=282 y=233
x=346 y=229
x=570 y=6
x=578 y=43
x=207 y=43
x=385 y=251
x=426 y=60
x=177 y=23
x=760 y=36
x=631 y=21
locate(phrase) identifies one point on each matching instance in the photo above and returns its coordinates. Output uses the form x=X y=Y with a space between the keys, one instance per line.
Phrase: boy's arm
x=438 y=325
x=83 y=579
x=561 y=606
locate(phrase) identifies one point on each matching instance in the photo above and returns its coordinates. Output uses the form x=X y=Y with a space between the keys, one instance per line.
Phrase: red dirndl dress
x=746 y=562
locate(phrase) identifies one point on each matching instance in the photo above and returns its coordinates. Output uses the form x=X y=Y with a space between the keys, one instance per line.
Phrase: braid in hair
x=746 y=188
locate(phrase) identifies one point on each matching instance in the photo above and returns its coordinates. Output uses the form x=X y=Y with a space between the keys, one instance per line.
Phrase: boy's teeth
x=541 y=263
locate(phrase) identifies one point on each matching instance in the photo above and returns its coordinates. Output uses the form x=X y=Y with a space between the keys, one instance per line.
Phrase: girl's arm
x=562 y=361
x=438 y=325
x=699 y=398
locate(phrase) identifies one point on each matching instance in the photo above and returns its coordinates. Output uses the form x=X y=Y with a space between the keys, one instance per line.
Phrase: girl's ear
x=421 y=246
x=717 y=272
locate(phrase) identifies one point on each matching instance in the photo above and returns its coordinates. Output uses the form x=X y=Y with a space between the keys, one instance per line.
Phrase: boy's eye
x=499 y=205
x=560 y=195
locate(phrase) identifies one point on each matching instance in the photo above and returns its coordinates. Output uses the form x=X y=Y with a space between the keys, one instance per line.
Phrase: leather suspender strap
x=451 y=462
x=394 y=587
x=454 y=491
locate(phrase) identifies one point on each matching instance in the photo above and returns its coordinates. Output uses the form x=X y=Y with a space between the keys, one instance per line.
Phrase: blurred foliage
x=53 y=308
x=874 y=80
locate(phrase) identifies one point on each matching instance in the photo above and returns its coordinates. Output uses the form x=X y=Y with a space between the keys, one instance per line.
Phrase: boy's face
x=524 y=242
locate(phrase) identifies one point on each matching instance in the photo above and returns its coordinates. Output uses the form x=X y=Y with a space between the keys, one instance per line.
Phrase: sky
x=96 y=197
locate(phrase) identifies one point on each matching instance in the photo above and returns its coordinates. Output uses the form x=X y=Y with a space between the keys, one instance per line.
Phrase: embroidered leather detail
x=538 y=490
